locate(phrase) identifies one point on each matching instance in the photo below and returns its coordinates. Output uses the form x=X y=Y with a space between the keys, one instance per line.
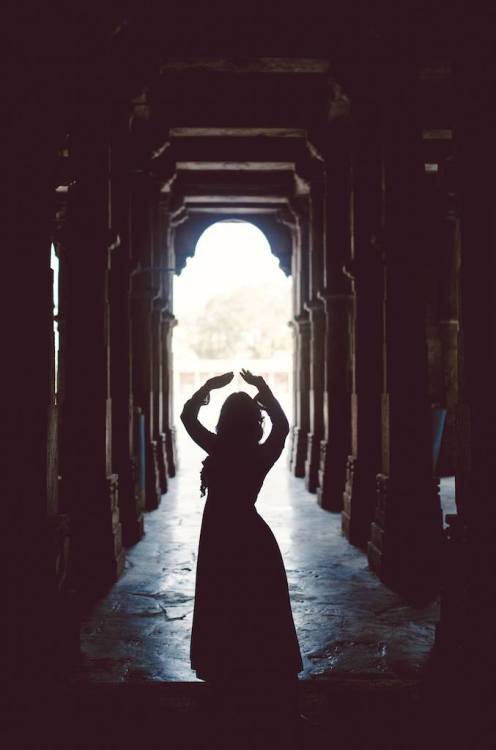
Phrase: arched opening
x=233 y=306
x=344 y=615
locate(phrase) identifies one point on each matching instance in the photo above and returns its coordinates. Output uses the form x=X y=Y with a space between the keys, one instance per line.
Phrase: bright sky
x=228 y=255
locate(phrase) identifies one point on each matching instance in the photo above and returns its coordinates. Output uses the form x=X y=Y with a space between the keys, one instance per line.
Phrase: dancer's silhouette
x=242 y=624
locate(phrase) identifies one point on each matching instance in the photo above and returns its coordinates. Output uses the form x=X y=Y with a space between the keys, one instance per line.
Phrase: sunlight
x=233 y=304
x=229 y=255
x=54 y=265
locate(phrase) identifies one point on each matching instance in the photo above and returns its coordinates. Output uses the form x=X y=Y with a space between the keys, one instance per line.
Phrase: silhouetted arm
x=189 y=417
x=272 y=447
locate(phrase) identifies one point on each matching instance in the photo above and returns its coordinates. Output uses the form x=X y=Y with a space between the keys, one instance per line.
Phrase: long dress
x=242 y=619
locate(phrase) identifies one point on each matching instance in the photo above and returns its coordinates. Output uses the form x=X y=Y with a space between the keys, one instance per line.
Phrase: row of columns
x=116 y=441
x=365 y=427
x=87 y=449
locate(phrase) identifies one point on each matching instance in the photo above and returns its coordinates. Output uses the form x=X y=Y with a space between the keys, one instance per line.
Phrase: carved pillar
x=302 y=340
x=406 y=534
x=90 y=486
x=28 y=423
x=448 y=334
x=162 y=344
x=335 y=446
x=467 y=612
x=302 y=420
x=367 y=269
x=158 y=395
x=315 y=308
x=168 y=323
x=144 y=289
x=124 y=456
x=294 y=348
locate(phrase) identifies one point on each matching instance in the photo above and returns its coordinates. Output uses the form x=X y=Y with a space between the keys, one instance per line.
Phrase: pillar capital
x=314 y=306
x=302 y=322
x=169 y=320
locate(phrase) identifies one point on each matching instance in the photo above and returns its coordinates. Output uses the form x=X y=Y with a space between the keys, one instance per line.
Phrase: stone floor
x=348 y=623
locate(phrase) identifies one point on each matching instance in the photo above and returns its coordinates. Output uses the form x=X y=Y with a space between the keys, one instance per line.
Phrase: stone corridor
x=348 y=623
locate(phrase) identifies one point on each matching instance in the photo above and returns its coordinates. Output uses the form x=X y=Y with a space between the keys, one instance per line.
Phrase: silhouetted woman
x=242 y=623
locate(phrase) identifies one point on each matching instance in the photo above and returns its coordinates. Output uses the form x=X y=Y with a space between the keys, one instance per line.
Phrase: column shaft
x=335 y=446
x=90 y=486
x=316 y=394
x=168 y=323
x=28 y=422
x=124 y=450
x=315 y=308
x=303 y=396
x=467 y=613
x=406 y=534
x=158 y=395
x=144 y=289
x=367 y=269
x=302 y=341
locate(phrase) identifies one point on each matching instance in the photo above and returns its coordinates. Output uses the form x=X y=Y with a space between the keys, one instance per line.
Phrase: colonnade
x=100 y=443
x=115 y=438
x=364 y=398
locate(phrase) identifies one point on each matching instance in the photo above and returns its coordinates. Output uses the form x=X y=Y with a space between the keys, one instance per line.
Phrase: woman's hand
x=219 y=381
x=256 y=380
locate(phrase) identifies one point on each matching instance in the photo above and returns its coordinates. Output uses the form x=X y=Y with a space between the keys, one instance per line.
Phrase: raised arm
x=273 y=446
x=189 y=415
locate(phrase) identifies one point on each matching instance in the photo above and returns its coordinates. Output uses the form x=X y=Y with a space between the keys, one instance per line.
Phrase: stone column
x=367 y=270
x=124 y=456
x=302 y=420
x=302 y=341
x=90 y=486
x=466 y=630
x=144 y=290
x=158 y=395
x=28 y=424
x=335 y=446
x=448 y=334
x=168 y=323
x=162 y=355
x=406 y=534
x=315 y=308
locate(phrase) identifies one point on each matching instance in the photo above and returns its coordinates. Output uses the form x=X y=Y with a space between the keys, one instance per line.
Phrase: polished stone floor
x=348 y=623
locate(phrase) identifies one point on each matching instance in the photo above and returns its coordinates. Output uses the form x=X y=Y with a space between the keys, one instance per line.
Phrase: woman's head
x=240 y=419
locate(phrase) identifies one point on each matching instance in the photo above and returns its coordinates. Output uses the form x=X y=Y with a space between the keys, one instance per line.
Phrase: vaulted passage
x=348 y=623
x=359 y=145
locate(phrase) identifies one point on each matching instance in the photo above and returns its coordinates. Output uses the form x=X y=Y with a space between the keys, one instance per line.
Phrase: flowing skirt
x=242 y=620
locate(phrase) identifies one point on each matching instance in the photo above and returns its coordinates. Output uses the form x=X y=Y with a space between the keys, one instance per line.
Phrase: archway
x=233 y=305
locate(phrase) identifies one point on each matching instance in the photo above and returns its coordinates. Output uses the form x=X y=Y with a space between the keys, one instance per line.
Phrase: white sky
x=228 y=255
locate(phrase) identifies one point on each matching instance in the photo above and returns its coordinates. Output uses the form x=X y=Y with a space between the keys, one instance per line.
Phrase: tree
x=250 y=322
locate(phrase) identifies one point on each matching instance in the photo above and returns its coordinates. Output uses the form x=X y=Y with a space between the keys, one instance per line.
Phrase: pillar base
x=119 y=554
x=162 y=462
x=313 y=462
x=331 y=479
x=299 y=452
x=171 y=450
x=406 y=536
x=359 y=499
x=153 y=496
x=292 y=441
x=98 y=545
x=131 y=516
x=452 y=628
